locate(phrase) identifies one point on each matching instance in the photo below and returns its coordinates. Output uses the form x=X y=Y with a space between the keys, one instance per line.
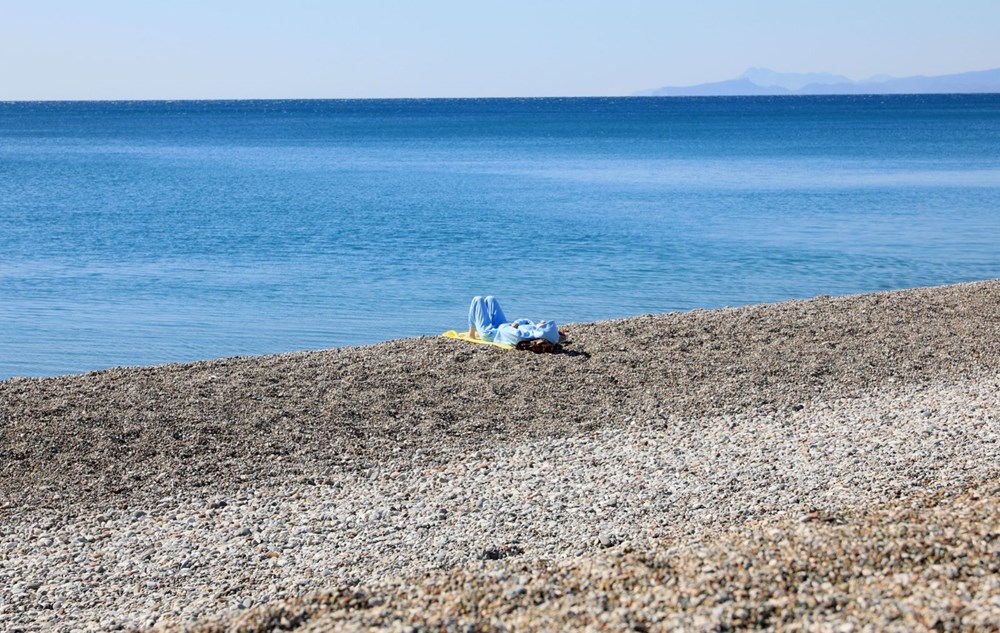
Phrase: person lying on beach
x=488 y=322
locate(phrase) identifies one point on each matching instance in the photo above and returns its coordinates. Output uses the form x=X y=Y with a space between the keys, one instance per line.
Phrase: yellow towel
x=464 y=336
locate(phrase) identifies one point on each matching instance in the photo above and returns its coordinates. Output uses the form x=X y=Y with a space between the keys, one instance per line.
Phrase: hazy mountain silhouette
x=791 y=81
x=762 y=81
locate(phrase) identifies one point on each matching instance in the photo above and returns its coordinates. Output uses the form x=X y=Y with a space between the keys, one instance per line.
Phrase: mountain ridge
x=763 y=81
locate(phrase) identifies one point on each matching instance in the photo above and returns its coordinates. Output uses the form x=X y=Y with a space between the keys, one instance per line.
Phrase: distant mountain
x=791 y=81
x=762 y=81
x=732 y=87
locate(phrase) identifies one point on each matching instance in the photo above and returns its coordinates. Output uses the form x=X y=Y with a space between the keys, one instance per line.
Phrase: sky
x=224 y=49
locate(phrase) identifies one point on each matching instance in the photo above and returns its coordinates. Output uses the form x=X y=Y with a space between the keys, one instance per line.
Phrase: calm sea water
x=149 y=232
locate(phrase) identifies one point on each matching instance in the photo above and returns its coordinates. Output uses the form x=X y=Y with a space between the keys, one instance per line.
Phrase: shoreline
x=123 y=430
x=243 y=483
x=196 y=362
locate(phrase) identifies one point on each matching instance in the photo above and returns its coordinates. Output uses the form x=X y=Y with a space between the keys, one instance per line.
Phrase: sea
x=139 y=233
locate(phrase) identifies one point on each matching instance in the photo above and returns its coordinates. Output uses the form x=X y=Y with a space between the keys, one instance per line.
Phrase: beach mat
x=464 y=336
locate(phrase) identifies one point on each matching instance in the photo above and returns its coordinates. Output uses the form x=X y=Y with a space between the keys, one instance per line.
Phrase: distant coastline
x=766 y=82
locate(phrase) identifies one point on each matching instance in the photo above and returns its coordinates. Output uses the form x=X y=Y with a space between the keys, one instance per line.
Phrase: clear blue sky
x=174 y=49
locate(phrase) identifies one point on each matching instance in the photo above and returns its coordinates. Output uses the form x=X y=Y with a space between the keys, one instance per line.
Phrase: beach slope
x=467 y=485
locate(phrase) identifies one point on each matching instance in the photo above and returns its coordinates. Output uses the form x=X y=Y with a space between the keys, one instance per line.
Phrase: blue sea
x=136 y=233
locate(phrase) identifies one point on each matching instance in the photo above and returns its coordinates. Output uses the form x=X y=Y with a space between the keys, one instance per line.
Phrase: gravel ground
x=929 y=564
x=136 y=497
x=679 y=480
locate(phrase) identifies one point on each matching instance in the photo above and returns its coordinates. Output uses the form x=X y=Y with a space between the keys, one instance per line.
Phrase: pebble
x=689 y=448
x=537 y=499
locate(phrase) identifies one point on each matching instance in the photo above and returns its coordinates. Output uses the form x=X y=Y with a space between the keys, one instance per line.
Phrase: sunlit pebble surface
x=929 y=563
x=667 y=480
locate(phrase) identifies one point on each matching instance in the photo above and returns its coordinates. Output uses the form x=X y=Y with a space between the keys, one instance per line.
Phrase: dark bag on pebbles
x=538 y=346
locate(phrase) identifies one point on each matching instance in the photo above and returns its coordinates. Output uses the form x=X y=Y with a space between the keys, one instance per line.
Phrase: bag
x=538 y=346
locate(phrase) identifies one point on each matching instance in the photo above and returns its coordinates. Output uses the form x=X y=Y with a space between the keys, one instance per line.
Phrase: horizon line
x=536 y=98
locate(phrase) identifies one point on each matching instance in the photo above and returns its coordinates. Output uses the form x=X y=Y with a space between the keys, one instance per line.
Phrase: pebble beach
x=827 y=464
